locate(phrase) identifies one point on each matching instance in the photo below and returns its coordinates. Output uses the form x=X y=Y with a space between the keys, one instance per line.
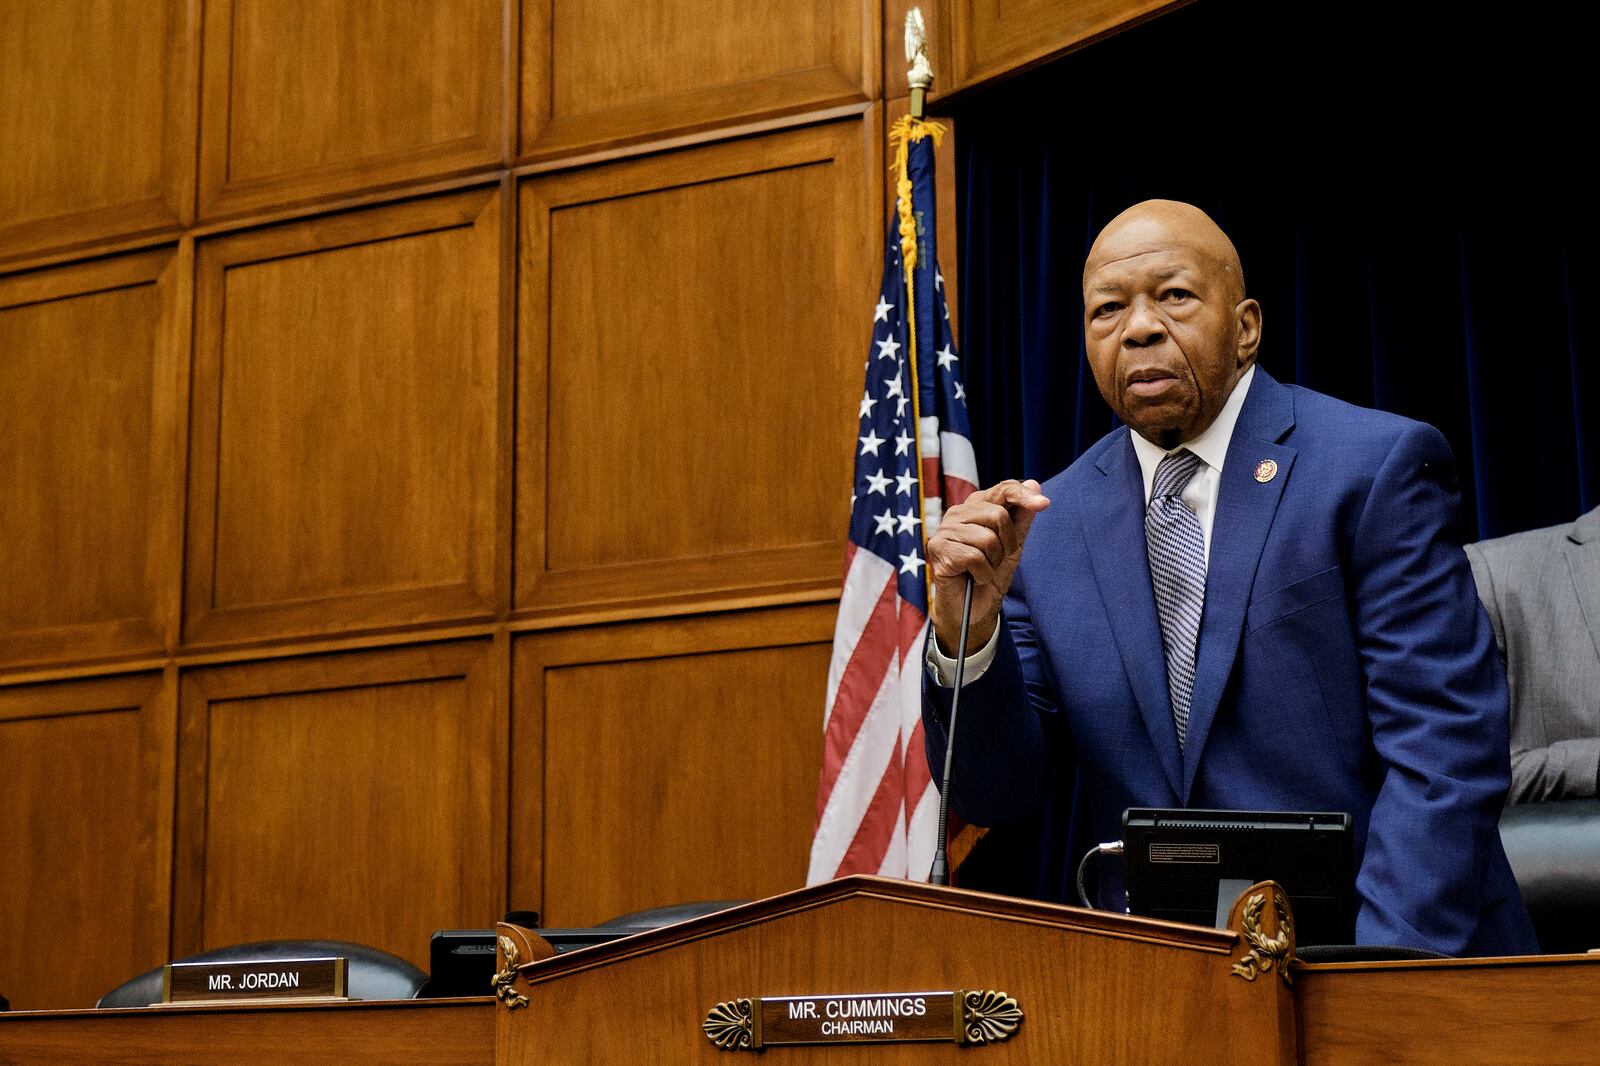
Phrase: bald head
x=1167 y=326
x=1168 y=225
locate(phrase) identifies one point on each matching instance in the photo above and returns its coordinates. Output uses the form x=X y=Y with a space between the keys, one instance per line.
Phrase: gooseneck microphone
x=940 y=873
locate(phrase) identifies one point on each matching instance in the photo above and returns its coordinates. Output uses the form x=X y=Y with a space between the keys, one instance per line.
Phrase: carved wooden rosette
x=515 y=946
x=1265 y=923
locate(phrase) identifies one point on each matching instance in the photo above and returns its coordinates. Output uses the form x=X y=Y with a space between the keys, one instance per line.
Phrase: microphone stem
x=940 y=873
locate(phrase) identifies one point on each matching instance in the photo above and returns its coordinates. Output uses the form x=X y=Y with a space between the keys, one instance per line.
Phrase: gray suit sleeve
x=1483 y=577
x=1565 y=769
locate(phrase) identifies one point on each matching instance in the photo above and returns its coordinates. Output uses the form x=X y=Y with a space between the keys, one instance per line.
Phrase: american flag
x=877 y=804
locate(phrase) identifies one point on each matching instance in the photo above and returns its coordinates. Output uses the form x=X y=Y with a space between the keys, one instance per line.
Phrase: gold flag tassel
x=901 y=135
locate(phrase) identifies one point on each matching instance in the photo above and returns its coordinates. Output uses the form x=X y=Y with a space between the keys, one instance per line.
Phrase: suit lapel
x=1113 y=526
x=1582 y=549
x=1245 y=508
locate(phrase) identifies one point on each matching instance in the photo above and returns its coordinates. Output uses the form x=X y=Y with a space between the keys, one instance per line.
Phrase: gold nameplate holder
x=961 y=1017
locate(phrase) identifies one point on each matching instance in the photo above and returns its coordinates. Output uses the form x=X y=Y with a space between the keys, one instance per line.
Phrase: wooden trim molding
x=223 y=191
x=844 y=43
x=477 y=768
x=155 y=217
x=991 y=40
x=566 y=424
x=397 y=601
x=152 y=628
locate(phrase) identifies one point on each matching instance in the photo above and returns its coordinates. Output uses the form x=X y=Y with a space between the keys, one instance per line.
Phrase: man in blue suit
x=1254 y=597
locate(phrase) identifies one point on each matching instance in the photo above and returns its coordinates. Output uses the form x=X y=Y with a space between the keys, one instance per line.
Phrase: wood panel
x=689 y=353
x=92 y=363
x=993 y=38
x=346 y=413
x=601 y=73
x=96 y=120
x=429 y=1032
x=309 y=99
x=1511 y=1012
x=354 y=797
x=86 y=836
x=661 y=762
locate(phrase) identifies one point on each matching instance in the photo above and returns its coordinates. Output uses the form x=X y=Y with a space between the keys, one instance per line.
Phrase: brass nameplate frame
x=961 y=1017
x=269 y=979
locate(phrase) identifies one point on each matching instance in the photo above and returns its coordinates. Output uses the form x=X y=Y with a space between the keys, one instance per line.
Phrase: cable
x=939 y=874
x=1110 y=847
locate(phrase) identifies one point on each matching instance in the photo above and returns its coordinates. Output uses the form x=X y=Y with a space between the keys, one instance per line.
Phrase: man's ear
x=1247 y=316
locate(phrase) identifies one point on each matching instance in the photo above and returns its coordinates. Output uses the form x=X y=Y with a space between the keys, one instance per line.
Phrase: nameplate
x=962 y=1017
x=275 y=979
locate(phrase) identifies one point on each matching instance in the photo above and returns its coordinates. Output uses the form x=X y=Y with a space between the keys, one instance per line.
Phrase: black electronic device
x=461 y=961
x=1190 y=866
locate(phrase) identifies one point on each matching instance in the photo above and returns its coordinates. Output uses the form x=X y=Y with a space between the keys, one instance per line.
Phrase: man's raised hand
x=982 y=536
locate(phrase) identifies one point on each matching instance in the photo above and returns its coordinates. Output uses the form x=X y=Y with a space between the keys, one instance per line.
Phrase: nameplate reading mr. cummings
x=964 y=1017
x=213 y=982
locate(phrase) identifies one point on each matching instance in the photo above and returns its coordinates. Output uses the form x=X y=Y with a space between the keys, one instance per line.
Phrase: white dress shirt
x=1200 y=495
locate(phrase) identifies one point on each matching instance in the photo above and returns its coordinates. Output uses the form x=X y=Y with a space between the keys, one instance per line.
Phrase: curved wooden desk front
x=439 y=1032
x=1094 y=988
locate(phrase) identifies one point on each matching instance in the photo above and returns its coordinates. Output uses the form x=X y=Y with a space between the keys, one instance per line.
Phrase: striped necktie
x=1177 y=553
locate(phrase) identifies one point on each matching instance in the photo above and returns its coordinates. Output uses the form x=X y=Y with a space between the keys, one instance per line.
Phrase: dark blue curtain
x=1405 y=197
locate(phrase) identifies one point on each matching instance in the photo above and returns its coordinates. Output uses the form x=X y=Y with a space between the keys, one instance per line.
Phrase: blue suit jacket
x=1344 y=664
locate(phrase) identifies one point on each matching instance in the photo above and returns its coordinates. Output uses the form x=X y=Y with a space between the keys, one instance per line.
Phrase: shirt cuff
x=943 y=667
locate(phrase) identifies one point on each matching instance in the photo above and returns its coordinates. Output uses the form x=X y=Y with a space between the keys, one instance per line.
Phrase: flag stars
x=877 y=483
x=885 y=521
x=947 y=357
x=904 y=482
x=961 y=393
x=881 y=312
x=896 y=386
x=903 y=443
x=888 y=348
x=867 y=403
x=900 y=406
x=910 y=564
x=871 y=443
x=908 y=522
x=938 y=280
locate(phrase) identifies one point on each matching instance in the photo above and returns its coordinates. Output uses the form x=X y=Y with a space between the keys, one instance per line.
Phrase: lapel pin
x=1266 y=470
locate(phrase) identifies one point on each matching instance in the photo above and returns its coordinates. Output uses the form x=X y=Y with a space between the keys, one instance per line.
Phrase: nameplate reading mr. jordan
x=200 y=982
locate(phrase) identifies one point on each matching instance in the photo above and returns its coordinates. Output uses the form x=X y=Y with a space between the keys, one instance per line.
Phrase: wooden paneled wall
x=424 y=434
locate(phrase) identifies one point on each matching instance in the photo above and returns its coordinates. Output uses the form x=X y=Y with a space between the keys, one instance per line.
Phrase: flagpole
x=914 y=127
x=920 y=76
x=920 y=80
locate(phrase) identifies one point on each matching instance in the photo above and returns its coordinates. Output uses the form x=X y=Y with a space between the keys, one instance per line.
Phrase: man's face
x=1167 y=332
